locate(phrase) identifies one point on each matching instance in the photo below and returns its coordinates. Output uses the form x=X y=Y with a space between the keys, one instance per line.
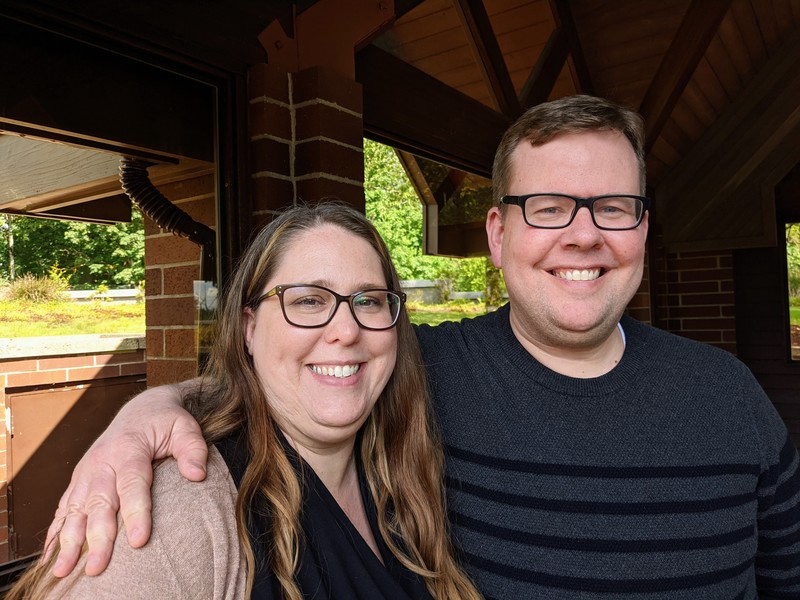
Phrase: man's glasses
x=613 y=212
x=314 y=306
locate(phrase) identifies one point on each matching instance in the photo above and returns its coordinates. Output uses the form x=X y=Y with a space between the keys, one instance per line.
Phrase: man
x=589 y=456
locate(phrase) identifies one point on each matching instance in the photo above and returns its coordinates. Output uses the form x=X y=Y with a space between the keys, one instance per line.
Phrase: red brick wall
x=172 y=264
x=57 y=369
x=639 y=306
x=695 y=298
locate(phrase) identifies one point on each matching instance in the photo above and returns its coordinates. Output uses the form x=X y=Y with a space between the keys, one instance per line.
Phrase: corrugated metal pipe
x=137 y=185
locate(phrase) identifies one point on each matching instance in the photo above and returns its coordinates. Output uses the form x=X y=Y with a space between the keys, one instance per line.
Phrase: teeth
x=579 y=275
x=337 y=371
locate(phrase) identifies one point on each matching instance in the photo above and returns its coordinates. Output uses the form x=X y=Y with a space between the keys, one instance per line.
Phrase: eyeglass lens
x=609 y=212
x=312 y=306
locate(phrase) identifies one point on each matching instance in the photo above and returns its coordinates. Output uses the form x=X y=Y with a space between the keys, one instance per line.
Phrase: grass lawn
x=19 y=319
x=73 y=318
x=433 y=314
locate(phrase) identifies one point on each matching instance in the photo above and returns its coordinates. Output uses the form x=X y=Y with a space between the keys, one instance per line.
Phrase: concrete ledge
x=35 y=347
x=129 y=296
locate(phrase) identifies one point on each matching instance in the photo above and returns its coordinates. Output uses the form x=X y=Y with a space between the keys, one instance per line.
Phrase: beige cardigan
x=193 y=551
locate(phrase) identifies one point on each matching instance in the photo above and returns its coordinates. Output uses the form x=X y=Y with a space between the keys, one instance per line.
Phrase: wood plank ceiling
x=681 y=63
x=448 y=76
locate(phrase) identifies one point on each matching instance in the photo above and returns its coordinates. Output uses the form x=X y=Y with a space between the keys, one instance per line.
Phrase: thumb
x=189 y=448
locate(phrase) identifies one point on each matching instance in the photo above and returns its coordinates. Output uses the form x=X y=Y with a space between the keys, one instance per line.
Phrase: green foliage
x=393 y=206
x=793 y=258
x=37 y=290
x=85 y=254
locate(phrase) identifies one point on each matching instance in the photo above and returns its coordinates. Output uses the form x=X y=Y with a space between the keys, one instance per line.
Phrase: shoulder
x=193 y=550
x=706 y=375
x=663 y=346
x=488 y=328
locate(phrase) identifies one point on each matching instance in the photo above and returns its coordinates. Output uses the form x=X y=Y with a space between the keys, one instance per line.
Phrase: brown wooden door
x=51 y=429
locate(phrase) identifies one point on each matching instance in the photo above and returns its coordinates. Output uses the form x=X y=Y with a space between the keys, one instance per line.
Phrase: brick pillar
x=307 y=138
x=172 y=264
x=639 y=306
x=695 y=298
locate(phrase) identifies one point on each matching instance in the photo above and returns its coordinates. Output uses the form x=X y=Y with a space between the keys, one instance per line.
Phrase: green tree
x=393 y=206
x=6 y=248
x=84 y=254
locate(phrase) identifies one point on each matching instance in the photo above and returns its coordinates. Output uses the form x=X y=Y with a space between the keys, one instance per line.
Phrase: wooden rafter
x=699 y=25
x=488 y=55
x=562 y=13
x=545 y=72
x=449 y=187
x=416 y=177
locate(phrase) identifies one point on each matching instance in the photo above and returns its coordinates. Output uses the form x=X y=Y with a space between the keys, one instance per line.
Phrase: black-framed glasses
x=613 y=212
x=305 y=305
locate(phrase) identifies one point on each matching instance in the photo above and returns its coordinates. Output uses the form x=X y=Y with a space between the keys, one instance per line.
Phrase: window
x=793 y=274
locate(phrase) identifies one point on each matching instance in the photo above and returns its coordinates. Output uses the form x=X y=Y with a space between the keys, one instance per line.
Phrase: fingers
x=133 y=485
x=116 y=475
x=91 y=516
x=71 y=541
x=181 y=439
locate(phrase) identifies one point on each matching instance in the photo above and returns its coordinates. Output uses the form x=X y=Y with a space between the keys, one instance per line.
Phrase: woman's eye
x=309 y=301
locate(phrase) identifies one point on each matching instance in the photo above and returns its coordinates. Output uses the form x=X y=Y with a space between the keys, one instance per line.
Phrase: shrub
x=30 y=288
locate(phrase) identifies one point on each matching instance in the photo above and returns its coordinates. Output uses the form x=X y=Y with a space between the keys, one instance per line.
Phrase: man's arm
x=116 y=473
x=778 y=527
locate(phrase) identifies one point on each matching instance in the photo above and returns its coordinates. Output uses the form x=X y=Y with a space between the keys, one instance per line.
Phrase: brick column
x=307 y=138
x=172 y=264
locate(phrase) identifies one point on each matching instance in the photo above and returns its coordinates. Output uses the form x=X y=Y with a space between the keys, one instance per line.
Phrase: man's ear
x=249 y=324
x=645 y=224
x=494 y=235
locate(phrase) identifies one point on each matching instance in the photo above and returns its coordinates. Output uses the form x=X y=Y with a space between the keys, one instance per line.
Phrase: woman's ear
x=249 y=323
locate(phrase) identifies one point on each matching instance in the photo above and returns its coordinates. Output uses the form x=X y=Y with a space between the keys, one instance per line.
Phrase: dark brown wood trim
x=699 y=25
x=489 y=57
x=545 y=72
x=562 y=13
x=412 y=111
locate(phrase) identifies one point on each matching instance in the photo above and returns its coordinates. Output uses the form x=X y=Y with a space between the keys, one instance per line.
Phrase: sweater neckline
x=625 y=373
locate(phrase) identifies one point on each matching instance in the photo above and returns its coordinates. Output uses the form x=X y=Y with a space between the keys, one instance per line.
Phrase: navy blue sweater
x=671 y=477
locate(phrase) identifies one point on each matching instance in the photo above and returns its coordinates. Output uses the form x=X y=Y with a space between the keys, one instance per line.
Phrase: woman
x=319 y=414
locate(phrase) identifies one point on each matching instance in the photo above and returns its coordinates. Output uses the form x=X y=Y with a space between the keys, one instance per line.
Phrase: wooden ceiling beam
x=699 y=25
x=488 y=55
x=416 y=177
x=545 y=72
x=412 y=111
x=562 y=14
x=449 y=187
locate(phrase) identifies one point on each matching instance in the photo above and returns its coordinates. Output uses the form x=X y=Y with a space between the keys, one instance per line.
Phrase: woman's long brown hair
x=399 y=443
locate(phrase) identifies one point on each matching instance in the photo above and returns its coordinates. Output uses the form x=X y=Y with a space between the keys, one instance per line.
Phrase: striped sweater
x=671 y=477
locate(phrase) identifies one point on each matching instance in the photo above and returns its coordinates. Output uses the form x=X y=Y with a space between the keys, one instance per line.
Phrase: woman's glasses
x=314 y=306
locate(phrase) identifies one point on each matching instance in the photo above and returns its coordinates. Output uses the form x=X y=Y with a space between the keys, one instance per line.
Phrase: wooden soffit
x=721 y=194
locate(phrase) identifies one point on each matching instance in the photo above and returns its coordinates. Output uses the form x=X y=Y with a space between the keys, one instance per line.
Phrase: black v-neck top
x=335 y=561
